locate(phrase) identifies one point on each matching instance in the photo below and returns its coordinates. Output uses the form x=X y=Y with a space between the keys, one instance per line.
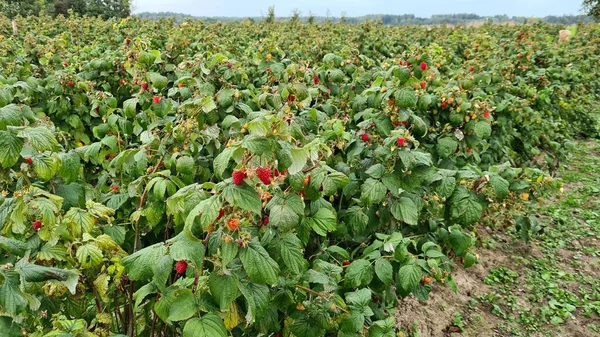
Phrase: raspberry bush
x=255 y=179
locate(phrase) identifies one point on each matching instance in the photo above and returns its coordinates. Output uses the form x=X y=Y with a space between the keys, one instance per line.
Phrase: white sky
x=421 y=8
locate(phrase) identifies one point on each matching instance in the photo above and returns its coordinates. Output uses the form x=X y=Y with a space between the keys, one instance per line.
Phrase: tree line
x=103 y=8
x=392 y=20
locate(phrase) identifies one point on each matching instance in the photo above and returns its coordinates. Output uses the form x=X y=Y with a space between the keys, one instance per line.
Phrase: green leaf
x=12 y=246
x=10 y=148
x=261 y=268
x=176 y=305
x=49 y=253
x=409 y=276
x=469 y=260
x=224 y=288
x=12 y=300
x=10 y=115
x=244 y=197
x=383 y=270
x=187 y=248
x=333 y=181
x=482 y=130
x=283 y=216
x=376 y=171
x=405 y=210
x=464 y=206
x=139 y=264
x=446 y=187
x=405 y=98
x=500 y=185
x=257 y=145
x=299 y=159
x=323 y=221
x=373 y=191
x=71 y=164
x=257 y=300
x=79 y=221
x=359 y=298
x=89 y=255
x=41 y=138
x=446 y=146
x=356 y=219
x=158 y=81
x=460 y=242
x=291 y=253
x=34 y=273
x=130 y=107
x=210 y=325
x=185 y=165
x=359 y=273
x=208 y=209
x=222 y=161
x=9 y=328
x=383 y=124
x=46 y=167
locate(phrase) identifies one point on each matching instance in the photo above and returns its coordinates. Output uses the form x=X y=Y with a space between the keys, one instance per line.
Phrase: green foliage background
x=387 y=145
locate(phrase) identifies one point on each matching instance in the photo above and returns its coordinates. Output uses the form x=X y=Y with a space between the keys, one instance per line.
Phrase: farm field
x=287 y=179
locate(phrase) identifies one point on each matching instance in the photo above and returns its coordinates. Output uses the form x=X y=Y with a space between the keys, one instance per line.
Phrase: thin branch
x=321 y=295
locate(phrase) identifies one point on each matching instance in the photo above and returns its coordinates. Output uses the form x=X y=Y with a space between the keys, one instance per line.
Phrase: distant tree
x=13 y=8
x=271 y=15
x=63 y=6
x=344 y=17
x=311 y=18
x=109 y=8
x=295 y=18
x=592 y=8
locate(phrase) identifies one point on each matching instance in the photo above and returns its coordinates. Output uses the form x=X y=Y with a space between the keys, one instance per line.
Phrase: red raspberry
x=156 y=99
x=291 y=98
x=66 y=64
x=486 y=114
x=405 y=122
x=114 y=188
x=400 y=141
x=180 y=267
x=240 y=243
x=472 y=69
x=265 y=221
x=37 y=225
x=423 y=85
x=144 y=86
x=221 y=214
x=365 y=137
x=229 y=65
x=444 y=105
x=70 y=84
x=316 y=79
x=396 y=123
x=423 y=66
x=345 y=263
x=29 y=161
x=264 y=174
x=238 y=177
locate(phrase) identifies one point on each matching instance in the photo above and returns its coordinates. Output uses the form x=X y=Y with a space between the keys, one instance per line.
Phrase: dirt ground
x=547 y=287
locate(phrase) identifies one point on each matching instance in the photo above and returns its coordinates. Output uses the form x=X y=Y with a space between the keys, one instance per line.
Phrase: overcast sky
x=422 y=8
